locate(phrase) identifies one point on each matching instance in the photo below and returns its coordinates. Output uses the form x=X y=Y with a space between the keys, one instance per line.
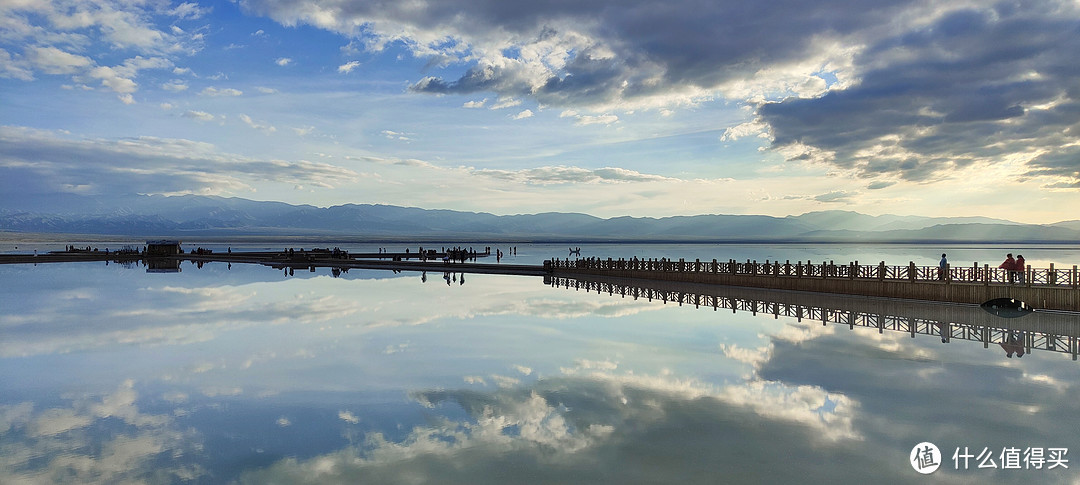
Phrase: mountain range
x=208 y=216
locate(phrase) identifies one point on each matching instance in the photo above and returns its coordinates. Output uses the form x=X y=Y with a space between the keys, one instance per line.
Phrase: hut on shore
x=163 y=247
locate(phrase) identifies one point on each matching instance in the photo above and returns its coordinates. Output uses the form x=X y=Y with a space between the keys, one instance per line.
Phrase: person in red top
x=1021 y=267
x=1010 y=267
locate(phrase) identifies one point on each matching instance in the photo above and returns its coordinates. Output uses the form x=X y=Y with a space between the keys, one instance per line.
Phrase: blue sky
x=611 y=108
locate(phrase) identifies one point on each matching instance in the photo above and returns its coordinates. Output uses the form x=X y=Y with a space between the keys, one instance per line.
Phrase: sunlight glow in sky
x=641 y=108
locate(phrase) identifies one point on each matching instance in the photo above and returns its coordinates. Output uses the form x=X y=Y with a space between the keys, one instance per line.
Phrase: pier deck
x=1052 y=288
x=1044 y=288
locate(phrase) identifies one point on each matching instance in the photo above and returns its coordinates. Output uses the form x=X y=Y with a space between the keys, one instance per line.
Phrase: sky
x=611 y=108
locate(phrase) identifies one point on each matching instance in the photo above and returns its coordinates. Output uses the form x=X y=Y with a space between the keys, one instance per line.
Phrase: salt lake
x=242 y=373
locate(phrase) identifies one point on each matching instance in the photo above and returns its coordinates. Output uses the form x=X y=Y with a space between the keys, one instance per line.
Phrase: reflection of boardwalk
x=1048 y=288
x=1047 y=331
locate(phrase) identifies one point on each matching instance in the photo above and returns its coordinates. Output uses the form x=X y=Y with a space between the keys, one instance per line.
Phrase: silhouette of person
x=1009 y=265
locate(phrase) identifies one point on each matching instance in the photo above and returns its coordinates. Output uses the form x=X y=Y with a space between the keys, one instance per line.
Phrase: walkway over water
x=1045 y=288
x=1042 y=330
x=1048 y=288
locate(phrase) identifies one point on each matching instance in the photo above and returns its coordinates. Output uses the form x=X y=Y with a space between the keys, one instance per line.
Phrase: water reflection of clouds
x=95 y=439
x=596 y=423
x=537 y=387
x=85 y=319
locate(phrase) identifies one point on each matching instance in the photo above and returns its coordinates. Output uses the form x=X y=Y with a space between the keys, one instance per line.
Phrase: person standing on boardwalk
x=1021 y=267
x=943 y=266
x=1009 y=265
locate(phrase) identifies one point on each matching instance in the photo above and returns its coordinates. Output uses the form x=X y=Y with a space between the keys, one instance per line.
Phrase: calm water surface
x=214 y=375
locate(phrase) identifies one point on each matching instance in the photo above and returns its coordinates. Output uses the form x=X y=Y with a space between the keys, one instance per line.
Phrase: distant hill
x=190 y=215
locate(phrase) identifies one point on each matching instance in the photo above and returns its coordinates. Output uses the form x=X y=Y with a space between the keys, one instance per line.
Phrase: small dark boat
x=1007 y=308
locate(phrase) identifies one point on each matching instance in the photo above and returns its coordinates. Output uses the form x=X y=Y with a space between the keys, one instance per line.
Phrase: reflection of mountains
x=1041 y=330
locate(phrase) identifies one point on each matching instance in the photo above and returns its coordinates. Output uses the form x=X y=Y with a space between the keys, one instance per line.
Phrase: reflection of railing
x=1048 y=331
x=1050 y=288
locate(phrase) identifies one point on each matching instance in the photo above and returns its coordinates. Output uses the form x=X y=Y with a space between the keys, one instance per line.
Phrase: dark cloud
x=920 y=89
x=880 y=185
x=836 y=196
x=970 y=87
x=609 y=51
x=1063 y=162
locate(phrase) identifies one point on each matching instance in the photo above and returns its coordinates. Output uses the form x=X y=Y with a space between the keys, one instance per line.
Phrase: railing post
x=881 y=270
x=986 y=275
x=911 y=271
x=1074 y=277
x=715 y=266
x=1027 y=276
x=948 y=273
x=798 y=270
x=1051 y=279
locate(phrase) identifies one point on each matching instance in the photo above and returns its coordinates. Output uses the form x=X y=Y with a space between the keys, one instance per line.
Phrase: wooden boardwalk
x=1051 y=331
x=1047 y=288
x=1044 y=288
x=297 y=260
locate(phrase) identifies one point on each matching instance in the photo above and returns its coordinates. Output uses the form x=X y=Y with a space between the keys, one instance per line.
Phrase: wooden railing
x=1030 y=277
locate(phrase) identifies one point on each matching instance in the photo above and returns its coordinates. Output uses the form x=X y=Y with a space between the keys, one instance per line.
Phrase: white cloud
x=198 y=115
x=175 y=85
x=283 y=61
x=212 y=91
x=10 y=68
x=475 y=104
x=265 y=128
x=51 y=60
x=503 y=103
x=584 y=120
x=395 y=135
x=348 y=67
x=522 y=115
x=562 y=175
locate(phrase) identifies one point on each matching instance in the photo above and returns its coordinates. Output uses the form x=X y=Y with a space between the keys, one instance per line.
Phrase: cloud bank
x=902 y=89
